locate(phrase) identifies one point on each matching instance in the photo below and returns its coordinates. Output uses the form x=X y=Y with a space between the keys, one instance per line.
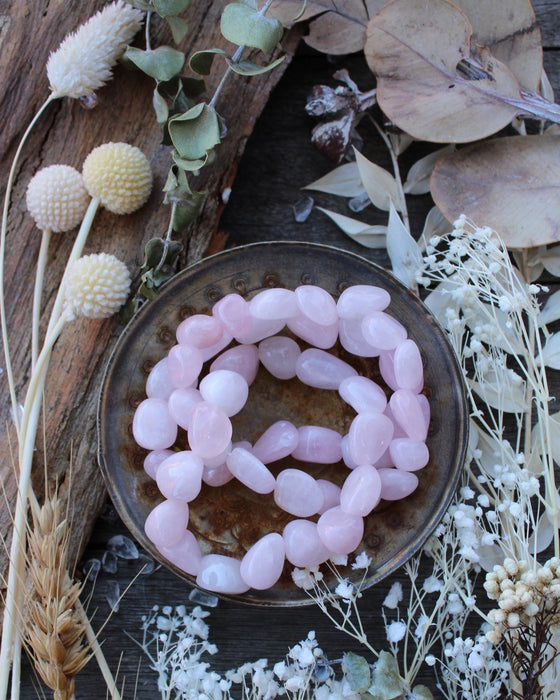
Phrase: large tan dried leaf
x=510 y=184
x=414 y=47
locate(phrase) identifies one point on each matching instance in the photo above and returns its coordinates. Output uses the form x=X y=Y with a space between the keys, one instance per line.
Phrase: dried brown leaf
x=510 y=184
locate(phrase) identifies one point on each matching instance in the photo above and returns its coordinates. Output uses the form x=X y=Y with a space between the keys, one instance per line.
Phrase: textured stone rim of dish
x=394 y=531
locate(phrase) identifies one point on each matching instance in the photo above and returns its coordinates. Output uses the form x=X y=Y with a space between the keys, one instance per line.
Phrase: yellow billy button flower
x=118 y=176
x=57 y=198
x=96 y=286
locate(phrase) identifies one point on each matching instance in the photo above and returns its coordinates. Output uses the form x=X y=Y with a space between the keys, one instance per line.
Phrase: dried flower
x=96 y=286
x=57 y=198
x=119 y=176
x=83 y=62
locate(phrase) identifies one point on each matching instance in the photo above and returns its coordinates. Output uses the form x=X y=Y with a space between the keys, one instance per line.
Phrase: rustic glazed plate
x=229 y=519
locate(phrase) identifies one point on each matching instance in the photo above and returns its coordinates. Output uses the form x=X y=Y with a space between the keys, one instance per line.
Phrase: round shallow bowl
x=229 y=519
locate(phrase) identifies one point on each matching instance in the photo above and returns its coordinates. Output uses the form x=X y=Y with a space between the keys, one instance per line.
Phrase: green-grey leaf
x=357 y=671
x=179 y=28
x=176 y=186
x=252 y=3
x=168 y=8
x=386 y=681
x=189 y=165
x=160 y=107
x=250 y=68
x=422 y=692
x=245 y=26
x=185 y=212
x=146 y=6
x=162 y=63
x=195 y=132
x=201 y=61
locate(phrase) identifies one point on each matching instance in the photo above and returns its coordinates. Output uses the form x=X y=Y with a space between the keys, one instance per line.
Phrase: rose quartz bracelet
x=384 y=446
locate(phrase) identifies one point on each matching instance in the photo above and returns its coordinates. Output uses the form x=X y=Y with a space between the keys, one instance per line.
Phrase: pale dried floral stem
x=37 y=294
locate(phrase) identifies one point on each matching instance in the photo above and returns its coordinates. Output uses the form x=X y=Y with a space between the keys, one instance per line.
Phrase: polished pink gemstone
x=318 y=445
x=279 y=355
x=250 y=471
x=408 y=413
x=362 y=394
x=277 y=441
x=361 y=491
x=166 y=523
x=262 y=566
x=407 y=366
x=317 y=305
x=346 y=458
x=152 y=426
x=297 y=493
x=303 y=545
x=360 y=300
x=369 y=436
x=425 y=406
x=352 y=339
x=273 y=304
x=322 y=370
x=221 y=574
x=385 y=460
x=185 y=554
x=179 y=477
x=261 y=328
x=212 y=350
x=154 y=459
x=243 y=359
x=397 y=484
x=216 y=476
x=387 y=369
x=211 y=462
x=226 y=389
x=184 y=365
x=398 y=432
x=210 y=430
x=182 y=403
x=409 y=455
x=340 y=532
x=158 y=384
x=331 y=495
x=382 y=330
x=313 y=333
x=199 y=331
x=233 y=313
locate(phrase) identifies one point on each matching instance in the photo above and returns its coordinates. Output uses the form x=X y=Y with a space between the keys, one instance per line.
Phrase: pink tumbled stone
x=303 y=545
x=408 y=413
x=210 y=430
x=397 y=484
x=211 y=462
x=369 y=436
x=226 y=389
x=243 y=359
x=346 y=458
x=277 y=441
x=387 y=370
x=233 y=313
x=262 y=566
x=360 y=300
x=279 y=355
x=250 y=471
x=364 y=395
x=340 y=532
x=361 y=491
x=407 y=366
x=185 y=554
x=182 y=403
x=154 y=459
x=425 y=406
x=221 y=574
x=382 y=330
x=352 y=339
x=385 y=460
x=398 y=432
x=273 y=304
x=211 y=350
x=313 y=333
x=331 y=495
x=297 y=493
x=158 y=384
x=199 y=331
x=316 y=304
x=317 y=444
x=409 y=455
x=166 y=523
x=322 y=370
x=261 y=328
x=184 y=365
x=216 y=476
x=179 y=477
x=152 y=426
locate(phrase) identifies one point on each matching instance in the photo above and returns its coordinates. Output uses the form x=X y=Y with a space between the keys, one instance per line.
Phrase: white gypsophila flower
x=83 y=62
x=345 y=590
x=362 y=561
x=396 y=631
x=394 y=597
x=56 y=198
x=96 y=286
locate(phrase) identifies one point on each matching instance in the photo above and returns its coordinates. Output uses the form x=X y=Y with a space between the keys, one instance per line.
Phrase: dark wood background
x=277 y=162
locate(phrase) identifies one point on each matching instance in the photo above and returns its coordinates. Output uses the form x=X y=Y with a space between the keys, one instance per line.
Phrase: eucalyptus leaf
x=418 y=178
x=551 y=352
x=435 y=225
x=179 y=28
x=245 y=26
x=551 y=260
x=364 y=234
x=176 y=187
x=357 y=672
x=158 y=248
x=421 y=692
x=189 y=165
x=386 y=681
x=201 y=61
x=542 y=535
x=344 y=181
x=168 y=8
x=380 y=185
x=162 y=63
x=187 y=210
x=403 y=251
x=246 y=67
x=551 y=310
x=195 y=132
x=160 y=107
